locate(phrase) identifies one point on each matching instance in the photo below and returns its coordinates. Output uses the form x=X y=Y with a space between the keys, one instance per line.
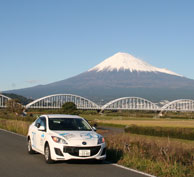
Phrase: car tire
x=30 y=150
x=47 y=155
x=99 y=161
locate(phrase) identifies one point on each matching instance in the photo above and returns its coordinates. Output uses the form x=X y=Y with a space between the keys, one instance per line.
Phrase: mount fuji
x=117 y=76
x=124 y=61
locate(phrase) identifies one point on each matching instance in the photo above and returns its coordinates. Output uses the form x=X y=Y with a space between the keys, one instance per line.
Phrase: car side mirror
x=37 y=125
x=42 y=128
x=94 y=128
x=95 y=125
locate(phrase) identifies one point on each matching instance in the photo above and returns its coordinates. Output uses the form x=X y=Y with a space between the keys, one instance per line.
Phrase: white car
x=65 y=137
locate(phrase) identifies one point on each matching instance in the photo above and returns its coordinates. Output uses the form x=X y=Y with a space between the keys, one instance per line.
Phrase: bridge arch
x=179 y=105
x=57 y=100
x=3 y=101
x=130 y=103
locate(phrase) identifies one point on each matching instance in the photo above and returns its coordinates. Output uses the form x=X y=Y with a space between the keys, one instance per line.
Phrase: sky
x=43 y=41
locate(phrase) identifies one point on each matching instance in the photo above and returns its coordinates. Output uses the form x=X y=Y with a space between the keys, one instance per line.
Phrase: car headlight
x=101 y=140
x=58 y=140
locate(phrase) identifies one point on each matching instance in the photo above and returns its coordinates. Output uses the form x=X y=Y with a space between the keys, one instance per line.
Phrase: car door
x=40 y=136
x=34 y=133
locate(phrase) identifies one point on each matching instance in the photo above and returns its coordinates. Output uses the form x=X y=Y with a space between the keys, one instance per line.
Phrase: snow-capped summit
x=125 y=61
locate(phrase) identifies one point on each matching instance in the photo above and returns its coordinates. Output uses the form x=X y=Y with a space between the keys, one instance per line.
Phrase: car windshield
x=69 y=124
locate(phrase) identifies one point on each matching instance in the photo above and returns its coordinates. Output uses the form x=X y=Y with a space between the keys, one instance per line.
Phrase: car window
x=43 y=121
x=76 y=124
x=37 y=122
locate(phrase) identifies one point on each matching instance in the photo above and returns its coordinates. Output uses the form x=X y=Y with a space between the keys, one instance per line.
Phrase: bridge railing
x=183 y=105
x=130 y=103
x=3 y=101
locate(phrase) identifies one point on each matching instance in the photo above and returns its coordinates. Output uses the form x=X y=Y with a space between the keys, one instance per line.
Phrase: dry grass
x=152 y=123
x=161 y=157
x=16 y=126
x=173 y=132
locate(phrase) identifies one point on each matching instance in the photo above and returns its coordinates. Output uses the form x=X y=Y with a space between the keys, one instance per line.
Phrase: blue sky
x=43 y=41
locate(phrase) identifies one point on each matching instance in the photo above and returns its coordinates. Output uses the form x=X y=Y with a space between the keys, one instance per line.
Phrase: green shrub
x=69 y=108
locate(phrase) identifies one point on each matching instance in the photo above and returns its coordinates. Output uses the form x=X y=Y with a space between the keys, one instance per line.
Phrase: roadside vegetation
x=172 y=132
x=162 y=147
x=16 y=126
x=160 y=157
x=149 y=122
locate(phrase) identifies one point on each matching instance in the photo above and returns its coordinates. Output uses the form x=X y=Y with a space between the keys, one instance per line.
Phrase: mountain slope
x=120 y=75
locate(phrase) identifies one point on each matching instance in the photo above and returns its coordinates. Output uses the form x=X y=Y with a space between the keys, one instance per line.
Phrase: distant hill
x=118 y=76
x=23 y=100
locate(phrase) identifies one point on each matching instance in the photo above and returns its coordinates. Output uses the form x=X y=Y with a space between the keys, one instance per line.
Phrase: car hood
x=79 y=138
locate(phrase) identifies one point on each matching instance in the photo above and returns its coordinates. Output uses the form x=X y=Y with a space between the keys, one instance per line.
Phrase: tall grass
x=162 y=158
x=150 y=122
x=173 y=132
x=12 y=116
x=16 y=126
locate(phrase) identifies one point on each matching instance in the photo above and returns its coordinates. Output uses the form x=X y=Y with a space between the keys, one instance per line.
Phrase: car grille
x=75 y=150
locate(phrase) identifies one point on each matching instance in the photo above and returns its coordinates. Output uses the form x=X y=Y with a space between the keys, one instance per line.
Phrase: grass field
x=16 y=126
x=146 y=121
x=150 y=123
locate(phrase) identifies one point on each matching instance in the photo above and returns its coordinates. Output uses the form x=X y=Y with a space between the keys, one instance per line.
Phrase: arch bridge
x=183 y=105
x=3 y=101
x=130 y=103
x=125 y=103
x=56 y=101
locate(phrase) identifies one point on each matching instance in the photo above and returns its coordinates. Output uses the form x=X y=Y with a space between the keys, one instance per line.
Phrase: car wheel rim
x=46 y=153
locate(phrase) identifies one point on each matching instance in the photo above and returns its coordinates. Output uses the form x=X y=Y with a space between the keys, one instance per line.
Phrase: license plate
x=84 y=153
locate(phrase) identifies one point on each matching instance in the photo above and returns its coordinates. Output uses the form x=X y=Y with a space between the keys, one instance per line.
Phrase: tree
x=22 y=100
x=69 y=108
x=14 y=106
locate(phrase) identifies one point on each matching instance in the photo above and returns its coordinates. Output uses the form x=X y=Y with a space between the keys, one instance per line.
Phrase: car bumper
x=61 y=152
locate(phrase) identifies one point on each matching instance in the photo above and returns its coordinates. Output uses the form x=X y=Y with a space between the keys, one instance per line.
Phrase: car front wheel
x=47 y=155
x=30 y=150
